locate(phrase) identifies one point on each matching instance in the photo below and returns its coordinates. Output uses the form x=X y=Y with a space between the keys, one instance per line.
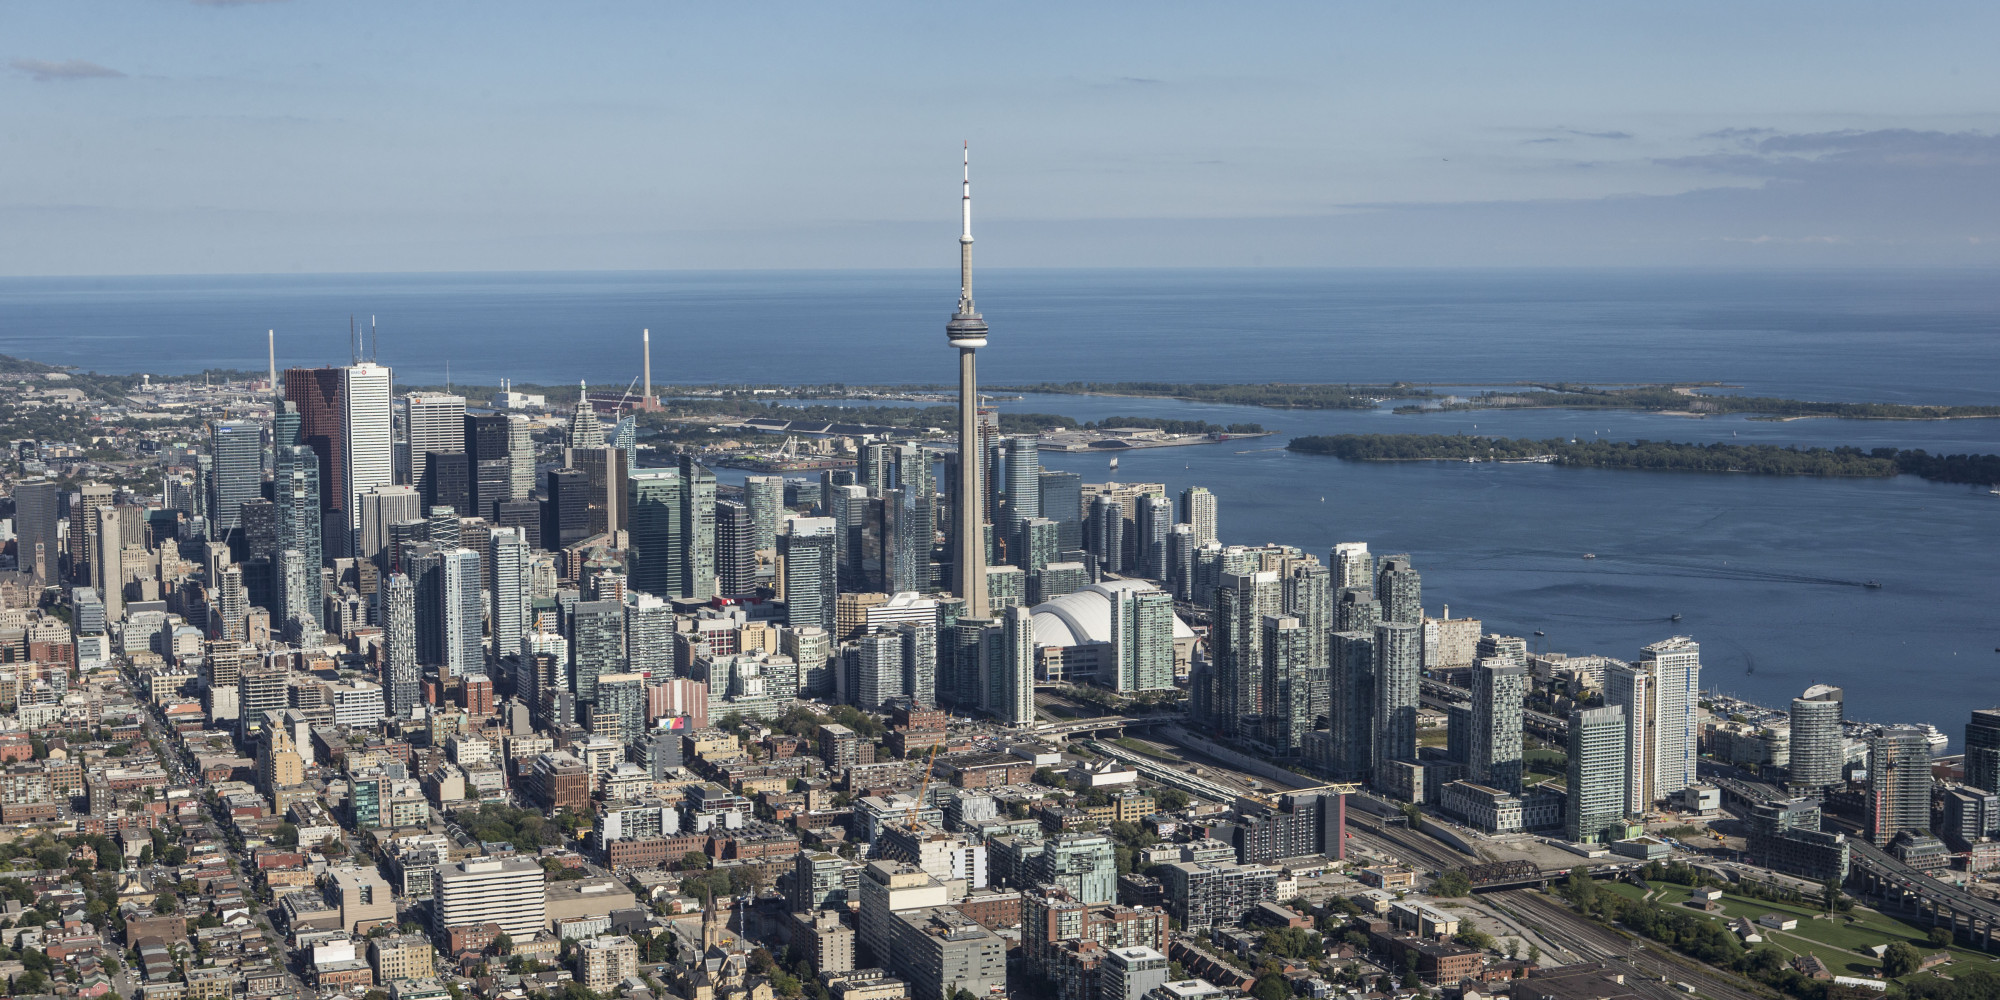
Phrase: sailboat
x=1114 y=463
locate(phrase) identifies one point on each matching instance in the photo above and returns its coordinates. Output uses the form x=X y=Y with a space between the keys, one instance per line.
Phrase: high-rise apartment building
x=1294 y=682
x=765 y=496
x=622 y=697
x=1235 y=639
x=1198 y=512
x=1899 y=782
x=1353 y=705
x=1353 y=566
x=1982 y=747
x=399 y=645
x=597 y=645
x=811 y=573
x=1106 y=533
x=1819 y=754
x=1062 y=502
x=1597 y=764
x=512 y=591
x=1024 y=484
x=735 y=548
x=1633 y=688
x=1676 y=666
x=919 y=661
x=1149 y=530
x=1400 y=589
x=1398 y=662
x=1355 y=609
x=1007 y=660
x=878 y=672
x=1499 y=691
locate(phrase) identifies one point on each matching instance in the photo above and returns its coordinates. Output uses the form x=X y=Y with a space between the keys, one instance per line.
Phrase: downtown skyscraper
x=673 y=531
x=237 y=447
x=346 y=418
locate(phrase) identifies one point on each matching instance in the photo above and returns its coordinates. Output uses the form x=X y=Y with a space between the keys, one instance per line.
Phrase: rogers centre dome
x=1084 y=617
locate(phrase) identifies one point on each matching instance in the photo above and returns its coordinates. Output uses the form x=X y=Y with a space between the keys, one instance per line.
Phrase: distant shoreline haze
x=1908 y=337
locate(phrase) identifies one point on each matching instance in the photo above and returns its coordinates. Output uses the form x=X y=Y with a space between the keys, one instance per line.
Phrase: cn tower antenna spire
x=967 y=333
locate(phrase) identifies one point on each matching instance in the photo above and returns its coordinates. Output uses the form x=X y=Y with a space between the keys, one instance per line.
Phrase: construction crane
x=924 y=792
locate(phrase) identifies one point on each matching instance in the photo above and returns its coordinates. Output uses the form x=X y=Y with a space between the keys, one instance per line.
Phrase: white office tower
x=1676 y=664
x=381 y=508
x=1198 y=512
x=504 y=891
x=511 y=588
x=1353 y=566
x=435 y=422
x=367 y=424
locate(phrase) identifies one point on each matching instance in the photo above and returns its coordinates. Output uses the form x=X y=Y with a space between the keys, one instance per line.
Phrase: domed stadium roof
x=1084 y=617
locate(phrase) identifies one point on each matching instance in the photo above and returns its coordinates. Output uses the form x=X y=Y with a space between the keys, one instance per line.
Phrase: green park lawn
x=1841 y=942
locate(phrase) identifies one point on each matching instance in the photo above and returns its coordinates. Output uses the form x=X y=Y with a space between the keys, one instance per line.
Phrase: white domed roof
x=1084 y=617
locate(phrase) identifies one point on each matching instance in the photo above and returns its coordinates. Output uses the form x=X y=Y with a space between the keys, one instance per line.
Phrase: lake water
x=1767 y=572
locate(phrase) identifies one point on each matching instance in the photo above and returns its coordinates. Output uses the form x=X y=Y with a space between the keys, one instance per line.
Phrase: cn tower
x=967 y=332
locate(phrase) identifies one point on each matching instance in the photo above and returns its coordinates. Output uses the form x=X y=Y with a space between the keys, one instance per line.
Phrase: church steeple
x=711 y=929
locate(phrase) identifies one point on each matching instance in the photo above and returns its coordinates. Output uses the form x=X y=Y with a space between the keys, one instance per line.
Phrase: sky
x=253 y=136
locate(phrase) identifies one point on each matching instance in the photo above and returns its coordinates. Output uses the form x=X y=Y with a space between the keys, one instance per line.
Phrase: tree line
x=1656 y=398
x=1759 y=459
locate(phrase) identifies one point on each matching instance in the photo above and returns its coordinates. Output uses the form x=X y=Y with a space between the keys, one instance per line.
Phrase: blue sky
x=170 y=136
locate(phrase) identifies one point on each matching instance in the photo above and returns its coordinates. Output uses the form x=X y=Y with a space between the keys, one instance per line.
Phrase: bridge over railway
x=1875 y=873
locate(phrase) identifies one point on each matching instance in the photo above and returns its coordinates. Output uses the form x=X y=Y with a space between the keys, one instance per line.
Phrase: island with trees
x=1758 y=459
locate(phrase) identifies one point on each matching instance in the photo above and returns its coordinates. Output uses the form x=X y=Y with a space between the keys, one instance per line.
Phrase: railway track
x=1594 y=942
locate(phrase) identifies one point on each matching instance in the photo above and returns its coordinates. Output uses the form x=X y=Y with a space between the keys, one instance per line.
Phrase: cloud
x=47 y=71
x=1138 y=80
x=1849 y=155
x=1599 y=135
